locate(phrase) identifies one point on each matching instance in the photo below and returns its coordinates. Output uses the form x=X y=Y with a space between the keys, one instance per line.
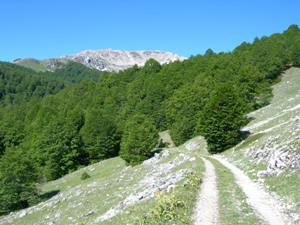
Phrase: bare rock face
x=110 y=60
x=116 y=60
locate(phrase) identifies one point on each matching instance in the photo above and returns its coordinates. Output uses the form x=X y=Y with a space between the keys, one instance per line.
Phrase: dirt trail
x=266 y=207
x=206 y=210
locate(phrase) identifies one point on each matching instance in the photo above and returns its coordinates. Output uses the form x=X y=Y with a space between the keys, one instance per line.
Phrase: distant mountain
x=103 y=60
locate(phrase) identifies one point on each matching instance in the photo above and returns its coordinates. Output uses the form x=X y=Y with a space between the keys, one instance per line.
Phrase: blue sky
x=52 y=28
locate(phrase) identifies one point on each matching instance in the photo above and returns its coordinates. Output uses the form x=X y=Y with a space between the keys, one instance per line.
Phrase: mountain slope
x=270 y=155
x=117 y=194
x=103 y=60
x=88 y=122
x=258 y=180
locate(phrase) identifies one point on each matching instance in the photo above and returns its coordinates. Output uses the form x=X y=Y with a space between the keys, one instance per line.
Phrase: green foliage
x=18 y=84
x=209 y=52
x=74 y=72
x=182 y=107
x=170 y=208
x=100 y=135
x=152 y=66
x=17 y=181
x=139 y=138
x=2 y=147
x=85 y=176
x=222 y=118
x=165 y=212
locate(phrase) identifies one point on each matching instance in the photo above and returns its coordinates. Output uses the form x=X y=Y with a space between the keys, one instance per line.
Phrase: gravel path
x=266 y=207
x=206 y=210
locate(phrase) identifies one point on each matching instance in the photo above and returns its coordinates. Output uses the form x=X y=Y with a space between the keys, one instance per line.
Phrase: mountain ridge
x=103 y=59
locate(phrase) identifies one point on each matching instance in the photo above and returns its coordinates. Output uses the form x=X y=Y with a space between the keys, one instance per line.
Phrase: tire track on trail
x=266 y=207
x=206 y=210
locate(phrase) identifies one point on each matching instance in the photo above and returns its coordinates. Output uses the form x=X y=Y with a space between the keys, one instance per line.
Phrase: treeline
x=18 y=84
x=121 y=114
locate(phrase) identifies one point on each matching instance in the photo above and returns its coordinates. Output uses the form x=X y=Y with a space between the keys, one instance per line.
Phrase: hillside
x=103 y=60
x=270 y=155
x=154 y=190
x=19 y=85
x=51 y=129
x=116 y=193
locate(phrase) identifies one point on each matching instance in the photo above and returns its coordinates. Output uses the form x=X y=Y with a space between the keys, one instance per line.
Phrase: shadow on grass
x=48 y=195
x=248 y=140
x=244 y=134
x=29 y=202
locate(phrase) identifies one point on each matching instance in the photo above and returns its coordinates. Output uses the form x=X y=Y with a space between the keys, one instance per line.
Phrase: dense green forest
x=53 y=123
x=19 y=85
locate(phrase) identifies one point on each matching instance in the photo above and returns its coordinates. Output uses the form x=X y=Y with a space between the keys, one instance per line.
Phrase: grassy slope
x=81 y=202
x=274 y=128
x=39 y=67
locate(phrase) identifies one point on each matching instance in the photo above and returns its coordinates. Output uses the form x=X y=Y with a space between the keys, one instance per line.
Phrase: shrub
x=85 y=176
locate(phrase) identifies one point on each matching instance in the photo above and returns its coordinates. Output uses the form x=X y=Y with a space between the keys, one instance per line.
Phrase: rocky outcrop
x=116 y=60
x=276 y=129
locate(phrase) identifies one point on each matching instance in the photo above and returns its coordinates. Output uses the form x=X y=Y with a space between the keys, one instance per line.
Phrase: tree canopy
x=139 y=139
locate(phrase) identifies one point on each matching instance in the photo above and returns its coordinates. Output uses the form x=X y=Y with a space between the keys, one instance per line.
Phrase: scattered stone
x=88 y=213
x=160 y=178
x=57 y=215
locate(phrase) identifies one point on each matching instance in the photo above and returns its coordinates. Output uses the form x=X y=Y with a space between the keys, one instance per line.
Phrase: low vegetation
x=270 y=155
x=173 y=207
x=85 y=176
x=128 y=192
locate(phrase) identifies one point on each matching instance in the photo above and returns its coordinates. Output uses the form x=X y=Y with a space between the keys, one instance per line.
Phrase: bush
x=172 y=208
x=164 y=212
x=85 y=176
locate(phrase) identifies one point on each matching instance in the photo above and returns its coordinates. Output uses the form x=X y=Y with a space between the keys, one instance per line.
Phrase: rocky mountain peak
x=104 y=59
x=116 y=60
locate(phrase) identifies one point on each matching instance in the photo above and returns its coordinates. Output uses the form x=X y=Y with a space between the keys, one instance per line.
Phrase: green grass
x=150 y=212
x=183 y=192
x=39 y=67
x=234 y=209
x=286 y=96
x=286 y=185
x=110 y=182
x=249 y=140
x=101 y=170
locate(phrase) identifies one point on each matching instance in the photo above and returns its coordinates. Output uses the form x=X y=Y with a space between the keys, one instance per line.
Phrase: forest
x=52 y=123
